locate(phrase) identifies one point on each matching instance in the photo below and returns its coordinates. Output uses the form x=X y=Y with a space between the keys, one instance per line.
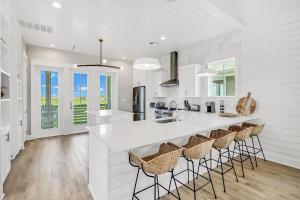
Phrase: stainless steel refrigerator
x=139 y=98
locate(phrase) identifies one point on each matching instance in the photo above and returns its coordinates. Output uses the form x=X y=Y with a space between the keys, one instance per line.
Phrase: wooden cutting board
x=246 y=105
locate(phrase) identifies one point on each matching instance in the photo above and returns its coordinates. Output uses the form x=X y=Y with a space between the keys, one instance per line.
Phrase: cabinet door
x=5 y=153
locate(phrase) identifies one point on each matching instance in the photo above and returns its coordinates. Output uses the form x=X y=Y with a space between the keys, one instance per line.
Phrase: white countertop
x=123 y=134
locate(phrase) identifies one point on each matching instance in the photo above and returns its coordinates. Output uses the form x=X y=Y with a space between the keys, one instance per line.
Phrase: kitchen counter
x=111 y=177
x=124 y=134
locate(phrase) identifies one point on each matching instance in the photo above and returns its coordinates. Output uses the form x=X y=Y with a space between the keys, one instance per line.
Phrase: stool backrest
x=224 y=141
x=165 y=160
x=199 y=147
x=257 y=129
x=242 y=132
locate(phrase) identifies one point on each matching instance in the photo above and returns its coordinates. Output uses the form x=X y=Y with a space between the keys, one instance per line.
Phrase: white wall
x=271 y=70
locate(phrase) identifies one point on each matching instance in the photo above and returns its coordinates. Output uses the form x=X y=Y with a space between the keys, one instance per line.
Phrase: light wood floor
x=56 y=169
x=50 y=169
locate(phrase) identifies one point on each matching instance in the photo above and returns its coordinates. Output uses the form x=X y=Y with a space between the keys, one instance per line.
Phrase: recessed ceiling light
x=51 y=45
x=163 y=38
x=122 y=68
x=104 y=61
x=56 y=4
x=124 y=58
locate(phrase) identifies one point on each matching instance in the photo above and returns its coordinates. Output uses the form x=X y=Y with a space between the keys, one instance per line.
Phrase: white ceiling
x=250 y=12
x=121 y=23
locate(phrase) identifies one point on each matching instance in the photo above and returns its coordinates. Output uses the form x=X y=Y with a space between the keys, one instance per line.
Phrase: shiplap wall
x=271 y=71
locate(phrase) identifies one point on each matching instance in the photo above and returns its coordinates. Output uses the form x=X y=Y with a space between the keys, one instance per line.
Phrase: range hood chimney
x=173 y=71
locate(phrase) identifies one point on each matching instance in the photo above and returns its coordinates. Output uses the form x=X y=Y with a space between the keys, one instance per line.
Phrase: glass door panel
x=49 y=99
x=105 y=92
x=80 y=99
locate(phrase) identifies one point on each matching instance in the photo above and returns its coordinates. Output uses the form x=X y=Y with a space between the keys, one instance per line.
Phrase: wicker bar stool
x=242 y=133
x=256 y=131
x=165 y=160
x=223 y=139
x=196 y=149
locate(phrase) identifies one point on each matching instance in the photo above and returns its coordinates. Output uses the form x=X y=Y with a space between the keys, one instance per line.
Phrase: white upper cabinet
x=156 y=79
x=189 y=82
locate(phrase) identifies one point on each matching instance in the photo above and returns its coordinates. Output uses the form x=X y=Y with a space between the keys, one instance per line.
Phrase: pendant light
x=206 y=72
x=146 y=63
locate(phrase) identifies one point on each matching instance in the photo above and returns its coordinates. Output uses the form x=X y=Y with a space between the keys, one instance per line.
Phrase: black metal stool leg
x=188 y=170
x=194 y=181
x=198 y=169
x=249 y=154
x=241 y=158
x=175 y=185
x=212 y=185
x=157 y=186
x=210 y=160
x=136 y=179
x=237 y=180
x=170 y=183
x=234 y=148
x=262 y=151
x=220 y=156
x=254 y=152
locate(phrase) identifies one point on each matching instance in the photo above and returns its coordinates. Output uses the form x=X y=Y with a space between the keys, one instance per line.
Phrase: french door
x=46 y=104
x=61 y=97
x=79 y=103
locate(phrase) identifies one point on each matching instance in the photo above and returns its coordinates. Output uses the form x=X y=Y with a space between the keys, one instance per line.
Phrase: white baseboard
x=51 y=135
x=1 y=192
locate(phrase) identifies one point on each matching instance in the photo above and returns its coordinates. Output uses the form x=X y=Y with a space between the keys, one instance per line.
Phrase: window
x=49 y=99
x=80 y=98
x=222 y=83
x=105 y=92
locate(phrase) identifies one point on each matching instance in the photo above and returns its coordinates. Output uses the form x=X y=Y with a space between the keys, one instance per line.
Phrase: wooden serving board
x=228 y=115
x=246 y=105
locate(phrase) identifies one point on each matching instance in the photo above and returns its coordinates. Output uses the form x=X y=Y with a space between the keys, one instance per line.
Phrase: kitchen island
x=110 y=174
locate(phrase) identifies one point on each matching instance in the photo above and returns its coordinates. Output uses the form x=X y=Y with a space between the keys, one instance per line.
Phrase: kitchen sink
x=165 y=120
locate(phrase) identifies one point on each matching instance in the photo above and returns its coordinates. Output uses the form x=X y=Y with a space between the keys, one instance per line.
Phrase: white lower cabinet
x=5 y=153
x=156 y=79
x=189 y=82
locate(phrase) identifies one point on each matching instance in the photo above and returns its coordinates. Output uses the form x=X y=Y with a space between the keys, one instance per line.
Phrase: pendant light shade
x=146 y=63
x=206 y=72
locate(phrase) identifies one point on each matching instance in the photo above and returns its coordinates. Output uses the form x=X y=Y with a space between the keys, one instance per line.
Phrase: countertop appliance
x=138 y=107
x=152 y=104
x=195 y=107
x=160 y=105
x=210 y=107
x=187 y=105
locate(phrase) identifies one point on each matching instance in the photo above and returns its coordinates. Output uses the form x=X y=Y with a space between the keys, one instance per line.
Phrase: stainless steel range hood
x=173 y=71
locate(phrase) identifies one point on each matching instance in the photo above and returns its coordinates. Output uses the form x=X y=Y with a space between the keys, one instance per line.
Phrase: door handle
x=71 y=106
